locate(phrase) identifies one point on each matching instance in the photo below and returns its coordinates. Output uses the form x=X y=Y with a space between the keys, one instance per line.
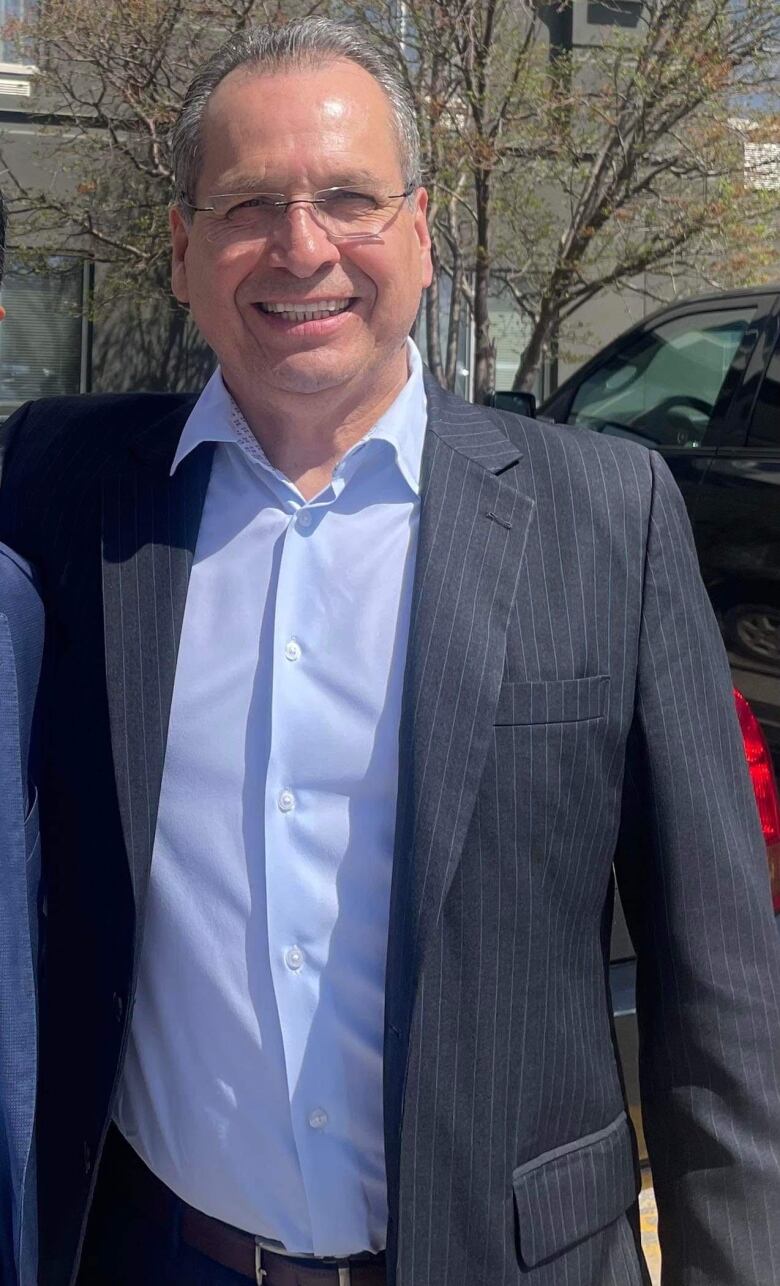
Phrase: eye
x=252 y=201
x=348 y=202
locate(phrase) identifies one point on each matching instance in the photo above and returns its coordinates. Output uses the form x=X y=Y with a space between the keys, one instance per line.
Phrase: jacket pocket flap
x=575 y=1190
x=552 y=700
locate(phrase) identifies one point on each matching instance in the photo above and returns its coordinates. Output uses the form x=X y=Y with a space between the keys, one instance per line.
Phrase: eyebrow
x=343 y=178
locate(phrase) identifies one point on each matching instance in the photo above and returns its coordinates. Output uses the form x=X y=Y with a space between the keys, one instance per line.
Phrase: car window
x=661 y=388
x=765 y=429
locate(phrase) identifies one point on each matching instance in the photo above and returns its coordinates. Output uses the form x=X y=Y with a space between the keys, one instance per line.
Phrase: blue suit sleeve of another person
x=21 y=646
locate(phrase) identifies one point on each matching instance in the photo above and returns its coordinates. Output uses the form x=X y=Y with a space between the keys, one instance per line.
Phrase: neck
x=304 y=435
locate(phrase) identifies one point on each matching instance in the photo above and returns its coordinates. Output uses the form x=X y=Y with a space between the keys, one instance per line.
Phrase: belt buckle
x=344 y=1271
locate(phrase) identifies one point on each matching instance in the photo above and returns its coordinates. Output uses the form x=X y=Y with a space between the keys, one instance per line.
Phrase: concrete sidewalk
x=648 y=1221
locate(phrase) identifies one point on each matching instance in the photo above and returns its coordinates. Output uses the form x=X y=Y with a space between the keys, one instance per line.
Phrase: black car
x=699 y=382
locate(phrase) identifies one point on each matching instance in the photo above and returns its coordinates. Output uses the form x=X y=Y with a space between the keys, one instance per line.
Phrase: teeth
x=323 y=308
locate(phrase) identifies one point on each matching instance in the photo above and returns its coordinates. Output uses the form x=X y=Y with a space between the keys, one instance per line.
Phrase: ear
x=180 y=238
x=423 y=235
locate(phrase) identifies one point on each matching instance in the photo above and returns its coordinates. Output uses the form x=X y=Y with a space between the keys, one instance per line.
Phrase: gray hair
x=303 y=43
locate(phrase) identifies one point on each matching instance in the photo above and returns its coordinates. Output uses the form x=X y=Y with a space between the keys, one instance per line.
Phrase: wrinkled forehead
x=325 y=124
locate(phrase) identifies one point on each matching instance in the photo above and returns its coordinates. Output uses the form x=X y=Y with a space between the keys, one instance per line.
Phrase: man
x=351 y=689
x=21 y=646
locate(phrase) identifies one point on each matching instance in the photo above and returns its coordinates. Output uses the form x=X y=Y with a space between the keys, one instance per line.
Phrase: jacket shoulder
x=54 y=453
x=543 y=444
x=117 y=416
x=570 y=441
x=60 y=438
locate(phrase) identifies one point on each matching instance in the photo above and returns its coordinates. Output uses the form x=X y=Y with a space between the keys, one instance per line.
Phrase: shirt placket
x=300 y=918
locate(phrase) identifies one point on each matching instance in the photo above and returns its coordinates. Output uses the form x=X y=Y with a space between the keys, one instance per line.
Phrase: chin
x=299 y=375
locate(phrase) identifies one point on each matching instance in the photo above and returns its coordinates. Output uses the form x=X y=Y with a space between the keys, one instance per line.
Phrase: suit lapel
x=150 y=526
x=473 y=528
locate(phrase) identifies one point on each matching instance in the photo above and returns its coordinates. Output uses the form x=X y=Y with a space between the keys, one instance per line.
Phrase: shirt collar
x=215 y=417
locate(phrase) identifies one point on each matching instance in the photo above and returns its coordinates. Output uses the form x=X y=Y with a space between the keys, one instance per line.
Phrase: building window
x=614 y=13
x=45 y=336
x=13 y=11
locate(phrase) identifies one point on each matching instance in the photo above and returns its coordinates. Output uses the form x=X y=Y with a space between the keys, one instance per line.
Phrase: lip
x=302 y=329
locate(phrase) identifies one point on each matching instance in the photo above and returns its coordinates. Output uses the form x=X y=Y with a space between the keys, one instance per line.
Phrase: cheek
x=382 y=276
x=216 y=275
x=223 y=240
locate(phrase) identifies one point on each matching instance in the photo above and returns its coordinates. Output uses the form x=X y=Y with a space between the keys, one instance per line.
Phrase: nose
x=299 y=244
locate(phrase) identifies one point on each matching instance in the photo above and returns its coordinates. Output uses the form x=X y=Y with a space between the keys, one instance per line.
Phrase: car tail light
x=765 y=788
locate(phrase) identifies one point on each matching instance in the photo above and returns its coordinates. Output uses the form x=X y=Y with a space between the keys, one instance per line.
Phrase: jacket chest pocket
x=552 y=701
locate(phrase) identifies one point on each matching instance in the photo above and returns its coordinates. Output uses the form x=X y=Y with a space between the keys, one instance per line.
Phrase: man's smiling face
x=297 y=132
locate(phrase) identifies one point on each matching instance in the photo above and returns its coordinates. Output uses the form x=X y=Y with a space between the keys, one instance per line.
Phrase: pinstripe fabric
x=467 y=566
x=577 y=1186
x=66 y=454
x=510 y=1055
x=150 y=525
x=567 y=701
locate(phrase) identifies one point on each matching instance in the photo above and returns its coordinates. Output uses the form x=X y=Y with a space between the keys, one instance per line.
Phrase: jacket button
x=87 y=1158
x=119 y=1006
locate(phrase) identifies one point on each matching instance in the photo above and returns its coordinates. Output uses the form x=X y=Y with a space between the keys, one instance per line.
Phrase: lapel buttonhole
x=502 y=522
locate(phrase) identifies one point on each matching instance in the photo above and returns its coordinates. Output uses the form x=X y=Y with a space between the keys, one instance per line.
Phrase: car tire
x=753 y=630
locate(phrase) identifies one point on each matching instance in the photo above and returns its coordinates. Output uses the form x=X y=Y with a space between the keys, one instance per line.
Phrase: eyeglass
x=343 y=213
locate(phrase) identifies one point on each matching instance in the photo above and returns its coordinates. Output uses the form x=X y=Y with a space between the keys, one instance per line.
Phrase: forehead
x=321 y=124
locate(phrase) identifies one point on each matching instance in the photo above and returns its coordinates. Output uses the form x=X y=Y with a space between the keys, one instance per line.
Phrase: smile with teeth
x=318 y=308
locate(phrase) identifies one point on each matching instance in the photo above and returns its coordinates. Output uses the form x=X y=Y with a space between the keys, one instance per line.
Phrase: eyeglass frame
x=284 y=205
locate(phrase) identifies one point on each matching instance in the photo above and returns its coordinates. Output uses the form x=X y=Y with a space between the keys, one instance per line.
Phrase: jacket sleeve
x=692 y=872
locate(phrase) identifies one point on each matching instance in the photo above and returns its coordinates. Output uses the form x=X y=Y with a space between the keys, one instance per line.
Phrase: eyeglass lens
x=341 y=211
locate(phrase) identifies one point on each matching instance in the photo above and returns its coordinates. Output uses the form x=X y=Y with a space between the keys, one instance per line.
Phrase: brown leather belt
x=132 y=1182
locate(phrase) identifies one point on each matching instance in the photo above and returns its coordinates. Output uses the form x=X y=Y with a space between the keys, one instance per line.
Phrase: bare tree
x=652 y=175
x=477 y=76
x=113 y=75
x=557 y=173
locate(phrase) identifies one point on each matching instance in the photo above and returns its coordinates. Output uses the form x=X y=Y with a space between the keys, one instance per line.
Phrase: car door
x=738 y=535
x=668 y=384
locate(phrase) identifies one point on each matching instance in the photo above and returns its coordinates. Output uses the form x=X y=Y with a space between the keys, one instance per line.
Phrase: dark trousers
x=134 y=1241
x=124 y=1248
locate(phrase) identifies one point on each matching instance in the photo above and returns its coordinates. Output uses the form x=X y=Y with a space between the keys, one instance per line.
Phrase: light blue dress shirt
x=253 y=1081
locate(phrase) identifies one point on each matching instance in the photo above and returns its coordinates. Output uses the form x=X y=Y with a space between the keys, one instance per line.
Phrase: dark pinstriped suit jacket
x=567 y=700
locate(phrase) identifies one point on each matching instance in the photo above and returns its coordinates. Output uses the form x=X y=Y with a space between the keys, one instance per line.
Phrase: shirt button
x=293 y=958
x=318 y=1119
x=292 y=650
x=286 y=801
x=304 y=518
